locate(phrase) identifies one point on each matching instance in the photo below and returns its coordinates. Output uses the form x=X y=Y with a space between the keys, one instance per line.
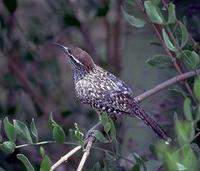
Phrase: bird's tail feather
x=150 y=122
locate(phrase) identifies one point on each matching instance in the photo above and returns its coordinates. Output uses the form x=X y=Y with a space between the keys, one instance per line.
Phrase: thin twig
x=86 y=153
x=65 y=158
x=44 y=143
x=166 y=84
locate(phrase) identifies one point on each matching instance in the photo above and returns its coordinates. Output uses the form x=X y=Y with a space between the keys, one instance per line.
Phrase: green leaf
x=171 y=14
x=25 y=162
x=33 y=130
x=79 y=135
x=107 y=127
x=184 y=130
x=22 y=131
x=45 y=164
x=153 y=12
x=51 y=121
x=9 y=129
x=103 y=118
x=179 y=90
x=42 y=151
x=136 y=167
x=187 y=108
x=132 y=20
x=58 y=134
x=184 y=35
x=8 y=147
x=112 y=129
x=167 y=41
x=99 y=136
x=159 y=61
x=57 y=130
x=196 y=88
x=155 y=43
x=190 y=160
x=105 y=122
x=190 y=58
x=11 y=5
x=155 y=2
x=180 y=167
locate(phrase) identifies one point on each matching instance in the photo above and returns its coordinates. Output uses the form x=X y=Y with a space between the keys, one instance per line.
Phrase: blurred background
x=35 y=76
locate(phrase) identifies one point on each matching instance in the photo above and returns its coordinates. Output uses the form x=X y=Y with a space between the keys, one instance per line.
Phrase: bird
x=105 y=92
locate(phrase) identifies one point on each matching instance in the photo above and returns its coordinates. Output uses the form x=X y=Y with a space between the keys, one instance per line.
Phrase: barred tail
x=150 y=122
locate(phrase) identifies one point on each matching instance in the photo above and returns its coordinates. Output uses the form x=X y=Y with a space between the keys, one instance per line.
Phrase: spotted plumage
x=105 y=92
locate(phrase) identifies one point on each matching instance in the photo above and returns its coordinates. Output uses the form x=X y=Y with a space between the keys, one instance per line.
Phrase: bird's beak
x=66 y=49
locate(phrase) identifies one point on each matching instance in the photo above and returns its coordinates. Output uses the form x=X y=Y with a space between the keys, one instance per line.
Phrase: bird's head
x=79 y=58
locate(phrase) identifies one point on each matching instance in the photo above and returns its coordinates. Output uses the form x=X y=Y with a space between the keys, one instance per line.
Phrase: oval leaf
x=9 y=129
x=33 y=130
x=26 y=162
x=196 y=88
x=103 y=118
x=184 y=35
x=45 y=164
x=184 y=130
x=159 y=61
x=155 y=2
x=132 y=20
x=112 y=130
x=58 y=134
x=22 y=131
x=8 y=147
x=107 y=127
x=171 y=14
x=190 y=58
x=187 y=108
x=167 y=41
x=136 y=167
x=99 y=136
x=153 y=12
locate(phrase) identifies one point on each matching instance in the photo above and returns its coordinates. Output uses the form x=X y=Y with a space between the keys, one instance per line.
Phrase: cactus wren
x=105 y=92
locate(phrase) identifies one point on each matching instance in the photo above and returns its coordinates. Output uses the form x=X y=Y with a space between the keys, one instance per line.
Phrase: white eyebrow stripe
x=77 y=61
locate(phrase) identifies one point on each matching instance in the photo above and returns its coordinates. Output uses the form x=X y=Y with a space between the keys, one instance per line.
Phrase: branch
x=86 y=153
x=65 y=158
x=166 y=84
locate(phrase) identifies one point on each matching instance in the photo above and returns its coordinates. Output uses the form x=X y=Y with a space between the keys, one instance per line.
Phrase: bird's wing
x=116 y=101
x=120 y=84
